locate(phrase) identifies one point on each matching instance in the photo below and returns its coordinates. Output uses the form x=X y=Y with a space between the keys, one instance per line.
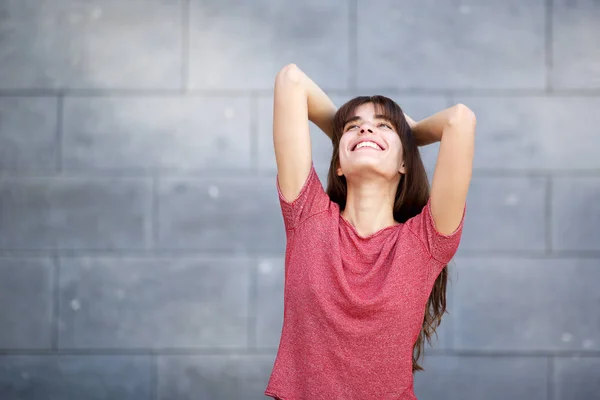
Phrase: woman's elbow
x=288 y=74
x=462 y=119
x=462 y=116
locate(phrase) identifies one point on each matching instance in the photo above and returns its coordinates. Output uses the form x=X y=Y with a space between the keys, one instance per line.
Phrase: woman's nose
x=364 y=129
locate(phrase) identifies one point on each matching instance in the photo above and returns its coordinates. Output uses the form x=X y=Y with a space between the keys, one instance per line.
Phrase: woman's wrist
x=423 y=134
x=321 y=109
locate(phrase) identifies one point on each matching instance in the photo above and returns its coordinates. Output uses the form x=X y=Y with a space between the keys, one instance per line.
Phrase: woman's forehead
x=369 y=111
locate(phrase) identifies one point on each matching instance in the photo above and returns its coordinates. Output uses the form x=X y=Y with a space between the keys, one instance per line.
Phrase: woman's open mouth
x=367 y=144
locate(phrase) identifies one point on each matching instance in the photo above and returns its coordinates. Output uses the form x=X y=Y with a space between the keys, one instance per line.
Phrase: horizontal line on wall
x=271 y=351
x=141 y=351
x=511 y=353
x=524 y=254
x=230 y=255
x=139 y=174
x=167 y=93
x=232 y=174
x=176 y=92
x=533 y=172
x=138 y=255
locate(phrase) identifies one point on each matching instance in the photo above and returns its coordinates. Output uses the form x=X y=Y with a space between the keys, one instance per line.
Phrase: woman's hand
x=430 y=130
x=411 y=122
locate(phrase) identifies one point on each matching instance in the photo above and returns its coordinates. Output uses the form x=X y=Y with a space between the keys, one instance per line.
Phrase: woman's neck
x=370 y=205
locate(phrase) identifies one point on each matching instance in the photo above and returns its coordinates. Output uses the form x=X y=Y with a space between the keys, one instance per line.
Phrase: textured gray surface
x=481 y=377
x=133 y=44
x=241 y=45
x=28 y=133
x=231 y=215
x=141 y=242
x=576 y=213
x=460 y=44
x=146 y=303
x=576 y=378
x=574 y=47
x=26 y=298
x=74 y=213
x=156 y=134
x=60 y=377
x=528 y=304
x=235 y=377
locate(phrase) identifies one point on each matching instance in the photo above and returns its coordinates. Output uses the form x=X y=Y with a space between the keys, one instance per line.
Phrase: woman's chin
x=369 y=168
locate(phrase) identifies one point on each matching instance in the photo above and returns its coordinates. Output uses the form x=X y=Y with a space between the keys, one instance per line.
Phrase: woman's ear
x=402 y=169
x=339 y=172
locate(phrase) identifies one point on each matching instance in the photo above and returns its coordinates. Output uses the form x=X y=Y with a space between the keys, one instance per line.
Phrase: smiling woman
x=378 y=119
x=366 y=260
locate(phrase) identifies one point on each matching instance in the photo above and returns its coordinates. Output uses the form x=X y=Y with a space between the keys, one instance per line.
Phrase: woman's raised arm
x=455 y=129
x=297 y=99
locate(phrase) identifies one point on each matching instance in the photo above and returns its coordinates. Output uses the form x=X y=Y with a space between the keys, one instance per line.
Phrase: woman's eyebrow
x=353 y=119
x=384 y=117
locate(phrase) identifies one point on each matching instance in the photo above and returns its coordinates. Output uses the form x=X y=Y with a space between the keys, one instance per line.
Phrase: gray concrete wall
x=141 y=240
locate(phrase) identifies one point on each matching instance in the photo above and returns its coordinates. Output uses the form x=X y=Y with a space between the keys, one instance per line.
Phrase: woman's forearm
x=320 y=107
x=430 y=129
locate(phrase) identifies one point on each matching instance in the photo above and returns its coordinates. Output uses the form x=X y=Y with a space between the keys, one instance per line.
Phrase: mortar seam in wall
x=203 y=175
x=352 y=45
x=414 y=91
x=154 y=376
x=55 y=302
x=269 y=350
x=200 y=253
x=548 y=214
x=59 y=133
x=252 y=327
x=185 y=45
x=548 y=43
x=254 y=134
x=550 y=378
x=154 y=211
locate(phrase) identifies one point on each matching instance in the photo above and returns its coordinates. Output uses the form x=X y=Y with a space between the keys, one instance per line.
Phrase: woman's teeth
x=367 y=144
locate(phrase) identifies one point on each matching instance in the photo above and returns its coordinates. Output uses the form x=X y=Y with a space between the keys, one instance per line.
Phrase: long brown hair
x=411 y=196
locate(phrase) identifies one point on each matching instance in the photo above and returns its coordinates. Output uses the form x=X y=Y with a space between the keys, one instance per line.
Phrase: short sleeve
x=441 y=247
x=311 y=200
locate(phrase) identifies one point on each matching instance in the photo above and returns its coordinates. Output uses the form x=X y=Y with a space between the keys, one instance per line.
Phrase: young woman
x=365 y=265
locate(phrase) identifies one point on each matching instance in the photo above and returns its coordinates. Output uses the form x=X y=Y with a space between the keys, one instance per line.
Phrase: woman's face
x=370 y=145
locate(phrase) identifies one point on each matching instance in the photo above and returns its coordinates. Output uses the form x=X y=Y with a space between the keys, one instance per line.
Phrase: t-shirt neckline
x=372 y=235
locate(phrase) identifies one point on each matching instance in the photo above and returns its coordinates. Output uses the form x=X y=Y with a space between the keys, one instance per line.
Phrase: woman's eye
x=352 y=127
x=385 y=125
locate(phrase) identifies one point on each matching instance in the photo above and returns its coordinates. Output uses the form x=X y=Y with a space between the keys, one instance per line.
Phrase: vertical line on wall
x=550 y=378
x=352 y=44
x=185 y=45
x=59 y=133
x=548 y=214
x=154 y=223
x=154 y=376
x=254 y=134
x=252 y=302
x=55 y=302
x=548 y=42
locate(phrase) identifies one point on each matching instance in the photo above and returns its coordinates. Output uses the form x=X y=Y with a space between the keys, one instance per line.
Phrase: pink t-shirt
x=353 y=306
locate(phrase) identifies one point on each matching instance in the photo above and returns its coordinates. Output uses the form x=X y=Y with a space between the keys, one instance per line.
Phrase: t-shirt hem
x=291 y=208
x=274 y=395
x=451 y=236
x=437 y=232
x=303 y=190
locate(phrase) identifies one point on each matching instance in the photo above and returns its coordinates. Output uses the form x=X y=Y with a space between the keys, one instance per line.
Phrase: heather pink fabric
x=353 y=306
